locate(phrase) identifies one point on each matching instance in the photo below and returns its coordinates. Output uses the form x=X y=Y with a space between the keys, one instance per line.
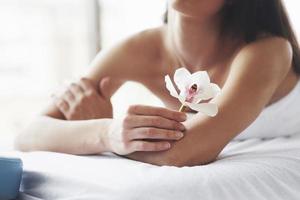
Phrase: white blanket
x=251 y=169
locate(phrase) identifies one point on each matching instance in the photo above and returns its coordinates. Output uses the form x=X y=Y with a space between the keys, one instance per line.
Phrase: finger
x=154 y=133
x=86 y=84
x=76 y=89
x=149 y=146
x=69 y=97
x=61 y=104
x=157 y=111
x=136 y=121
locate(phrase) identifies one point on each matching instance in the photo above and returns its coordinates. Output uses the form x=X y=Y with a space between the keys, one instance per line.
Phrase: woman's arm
x=73 y=137
x=255 y=73
x=124 y=136
x=119 y=63
x=50 y=131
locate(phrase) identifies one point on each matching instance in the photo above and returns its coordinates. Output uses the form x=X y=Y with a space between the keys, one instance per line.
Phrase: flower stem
x=182 y=108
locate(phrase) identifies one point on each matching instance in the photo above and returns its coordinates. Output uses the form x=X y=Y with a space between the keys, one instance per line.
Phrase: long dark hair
x=247 y=19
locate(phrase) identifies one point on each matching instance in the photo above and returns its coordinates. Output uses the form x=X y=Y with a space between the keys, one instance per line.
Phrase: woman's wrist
x=103 y=143
x=96 y=142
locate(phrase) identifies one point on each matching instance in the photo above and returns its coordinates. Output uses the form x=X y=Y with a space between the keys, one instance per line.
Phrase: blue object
x=10 y=177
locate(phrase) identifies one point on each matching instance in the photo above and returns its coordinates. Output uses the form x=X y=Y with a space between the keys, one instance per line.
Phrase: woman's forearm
x=74 y=137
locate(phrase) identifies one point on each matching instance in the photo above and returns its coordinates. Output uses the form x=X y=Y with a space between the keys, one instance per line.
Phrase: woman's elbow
x=25 y=137
x=190 y=163
x=190 y=160
x=20 y=143
x=24 y=140
x=177 y=158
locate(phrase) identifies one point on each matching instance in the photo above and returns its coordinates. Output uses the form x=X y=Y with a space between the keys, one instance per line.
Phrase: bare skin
x=252 y=76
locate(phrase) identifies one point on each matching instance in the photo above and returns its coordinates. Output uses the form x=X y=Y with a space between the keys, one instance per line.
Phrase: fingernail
x=167 y=145
x=183 y=116
x=179 y=134
x=182 y=127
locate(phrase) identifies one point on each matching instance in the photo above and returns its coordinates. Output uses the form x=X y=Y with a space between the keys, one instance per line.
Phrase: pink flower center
x=191 y=92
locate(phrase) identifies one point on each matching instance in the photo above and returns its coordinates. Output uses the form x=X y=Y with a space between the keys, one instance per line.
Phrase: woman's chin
x=196 y=9
x=186 y=10
x=181 y=6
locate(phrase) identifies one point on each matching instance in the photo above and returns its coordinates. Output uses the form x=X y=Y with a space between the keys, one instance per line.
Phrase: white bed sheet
x=250 y=169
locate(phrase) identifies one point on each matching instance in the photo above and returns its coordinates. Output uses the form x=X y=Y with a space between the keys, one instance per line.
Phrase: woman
x=247 y=47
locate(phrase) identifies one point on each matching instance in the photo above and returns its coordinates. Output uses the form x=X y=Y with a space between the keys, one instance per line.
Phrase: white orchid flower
x=193 y=89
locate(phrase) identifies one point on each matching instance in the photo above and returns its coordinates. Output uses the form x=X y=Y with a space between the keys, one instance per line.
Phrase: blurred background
x=43 y=43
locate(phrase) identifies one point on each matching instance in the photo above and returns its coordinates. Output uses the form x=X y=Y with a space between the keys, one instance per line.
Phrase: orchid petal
x=190 y=95
x=170 y=87
x=200 y=78
x=197 y=99
x=209 y=92
x=209 y=109
x=181 y=78
x=215 y=89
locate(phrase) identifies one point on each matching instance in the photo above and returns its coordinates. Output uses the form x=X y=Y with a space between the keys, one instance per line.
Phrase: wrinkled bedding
x=249 y=169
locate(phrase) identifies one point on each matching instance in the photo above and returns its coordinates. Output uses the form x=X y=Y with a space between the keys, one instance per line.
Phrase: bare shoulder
x=145 y=48
x=129 y=57
x=147 y=42
x=257 y=70
x=124 y=61
x=272 y=42
x=142 y=44
x=273 y=52
x=264 y=62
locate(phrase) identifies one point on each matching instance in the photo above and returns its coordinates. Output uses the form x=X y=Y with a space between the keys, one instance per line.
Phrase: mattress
x=247 y=169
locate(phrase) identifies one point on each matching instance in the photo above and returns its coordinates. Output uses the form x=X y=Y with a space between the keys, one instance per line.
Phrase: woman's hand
x=82 y=101
x=145 y=128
